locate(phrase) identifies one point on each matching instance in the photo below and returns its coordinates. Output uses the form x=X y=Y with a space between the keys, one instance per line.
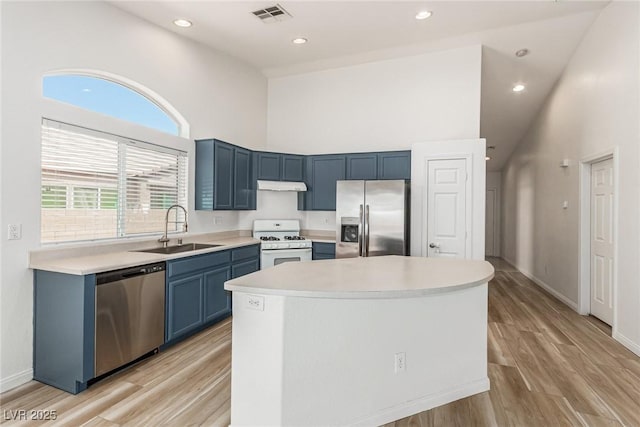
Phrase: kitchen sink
x=178 y=248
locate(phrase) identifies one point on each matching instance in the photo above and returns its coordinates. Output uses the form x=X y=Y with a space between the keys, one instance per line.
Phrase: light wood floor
x=548 y=366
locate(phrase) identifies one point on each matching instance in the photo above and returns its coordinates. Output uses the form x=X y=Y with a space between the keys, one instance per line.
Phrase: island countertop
x=374 y=277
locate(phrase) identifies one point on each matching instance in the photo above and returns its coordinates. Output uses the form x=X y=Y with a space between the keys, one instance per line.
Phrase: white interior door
x=489 y=228
x=446 y=209
x=602 y=240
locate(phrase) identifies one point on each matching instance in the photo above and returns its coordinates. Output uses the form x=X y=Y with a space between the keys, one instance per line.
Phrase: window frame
x=123 y=145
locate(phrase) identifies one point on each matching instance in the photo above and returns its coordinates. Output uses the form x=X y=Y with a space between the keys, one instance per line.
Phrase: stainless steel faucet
x=164 y=239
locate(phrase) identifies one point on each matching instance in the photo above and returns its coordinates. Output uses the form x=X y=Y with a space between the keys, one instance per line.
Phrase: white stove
x=280 y=242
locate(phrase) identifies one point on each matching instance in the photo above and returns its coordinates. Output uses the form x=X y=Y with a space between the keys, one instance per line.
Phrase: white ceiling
x=344 y=33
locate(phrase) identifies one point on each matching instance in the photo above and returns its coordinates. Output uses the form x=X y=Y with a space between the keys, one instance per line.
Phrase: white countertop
x=374 y=277
x=100 y=262
x=321 y=239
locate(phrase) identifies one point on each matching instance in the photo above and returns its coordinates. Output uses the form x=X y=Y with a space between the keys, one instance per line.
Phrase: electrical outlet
x=217 y=220
x=400 y=364
x=14 y=231
x=255 y=302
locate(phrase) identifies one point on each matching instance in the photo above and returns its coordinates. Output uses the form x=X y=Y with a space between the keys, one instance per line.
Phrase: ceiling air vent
x=272 y=14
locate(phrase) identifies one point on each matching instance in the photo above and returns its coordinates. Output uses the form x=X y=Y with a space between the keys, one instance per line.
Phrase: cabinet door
x=223 y=176
x=184 y=307
x=323 y=250
x=326 y=170
x=243 y=193
x=269 y=165
x=292 y=167
x=217 y=301
x=204 y=175
x=362 y=166
x=245 y=267
x=394 y=165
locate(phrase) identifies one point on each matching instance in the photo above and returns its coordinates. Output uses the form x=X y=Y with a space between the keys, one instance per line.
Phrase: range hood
x=281 y=185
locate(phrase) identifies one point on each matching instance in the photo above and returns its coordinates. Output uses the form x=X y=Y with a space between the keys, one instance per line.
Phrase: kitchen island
x=359 y=341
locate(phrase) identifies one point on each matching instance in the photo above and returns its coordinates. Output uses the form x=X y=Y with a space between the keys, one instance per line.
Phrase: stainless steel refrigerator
x=372 y=218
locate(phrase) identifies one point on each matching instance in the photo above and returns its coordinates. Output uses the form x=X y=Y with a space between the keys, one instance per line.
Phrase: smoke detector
x=272 y=14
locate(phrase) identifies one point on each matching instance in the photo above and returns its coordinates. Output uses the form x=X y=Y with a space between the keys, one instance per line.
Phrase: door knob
x=434 y=245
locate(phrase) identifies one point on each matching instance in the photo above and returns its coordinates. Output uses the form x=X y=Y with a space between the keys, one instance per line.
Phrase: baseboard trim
x=423 y=404
x=632 y=346
x=15 y=380
x=572 y=304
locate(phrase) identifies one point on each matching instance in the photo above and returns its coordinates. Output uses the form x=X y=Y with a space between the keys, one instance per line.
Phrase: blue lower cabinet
x=245 y=267
x=184 y=307
x=217 y=301
x=63 y=330
x=195 y=288
x=321 y=250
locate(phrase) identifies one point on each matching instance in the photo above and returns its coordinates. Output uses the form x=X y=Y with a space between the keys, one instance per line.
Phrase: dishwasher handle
x=127 y=273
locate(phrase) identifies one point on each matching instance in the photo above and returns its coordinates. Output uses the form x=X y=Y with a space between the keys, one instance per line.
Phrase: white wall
x=284 y=205
x=594 y=108
x=494 y=181
x=384 y=105
x=217 y=95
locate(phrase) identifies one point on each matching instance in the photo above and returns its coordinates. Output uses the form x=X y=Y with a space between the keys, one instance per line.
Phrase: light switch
x=565 y=204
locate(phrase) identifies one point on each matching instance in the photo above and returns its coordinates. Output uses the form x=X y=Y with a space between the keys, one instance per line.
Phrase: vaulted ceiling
x=343 y=33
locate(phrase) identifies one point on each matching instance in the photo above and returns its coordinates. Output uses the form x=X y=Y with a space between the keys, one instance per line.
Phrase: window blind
x=97 y=185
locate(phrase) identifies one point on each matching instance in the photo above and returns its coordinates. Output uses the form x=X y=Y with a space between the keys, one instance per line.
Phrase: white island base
x=313 y=354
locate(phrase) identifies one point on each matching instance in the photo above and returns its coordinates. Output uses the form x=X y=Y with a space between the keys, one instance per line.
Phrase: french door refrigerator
x=372 y=218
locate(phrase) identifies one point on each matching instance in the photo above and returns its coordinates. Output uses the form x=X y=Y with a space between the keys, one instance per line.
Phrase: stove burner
x=270 y=238
x=293 y=238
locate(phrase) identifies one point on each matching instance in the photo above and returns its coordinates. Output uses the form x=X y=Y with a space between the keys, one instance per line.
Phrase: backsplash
x=284 y=205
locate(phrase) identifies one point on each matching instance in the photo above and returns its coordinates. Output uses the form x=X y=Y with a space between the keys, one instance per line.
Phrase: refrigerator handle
x=360 y=230
x=366 y=231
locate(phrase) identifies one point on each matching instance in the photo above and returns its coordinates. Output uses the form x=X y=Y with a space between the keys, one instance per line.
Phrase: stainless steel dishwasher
x=129 y=315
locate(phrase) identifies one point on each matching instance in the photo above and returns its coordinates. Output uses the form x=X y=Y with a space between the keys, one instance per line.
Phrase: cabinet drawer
x=191 y=264
x=245 y=252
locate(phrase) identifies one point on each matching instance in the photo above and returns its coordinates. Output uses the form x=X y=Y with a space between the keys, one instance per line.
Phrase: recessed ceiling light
x=487 y=158
x=182 y=23
x=518 y=88
x=299 y=40
x=522 y=52
x=424 y=14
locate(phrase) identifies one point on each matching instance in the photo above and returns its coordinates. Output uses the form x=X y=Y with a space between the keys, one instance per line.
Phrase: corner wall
x=593 y=108
x=382 y=105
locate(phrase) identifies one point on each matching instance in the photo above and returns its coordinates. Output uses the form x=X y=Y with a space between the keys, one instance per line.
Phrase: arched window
x=100 y=183
x=110 y=98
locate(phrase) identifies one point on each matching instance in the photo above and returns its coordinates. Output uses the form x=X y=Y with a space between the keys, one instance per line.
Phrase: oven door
x=273 y=257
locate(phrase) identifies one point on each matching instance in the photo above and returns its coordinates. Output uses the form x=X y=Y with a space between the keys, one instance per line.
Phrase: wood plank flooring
x=548 y=366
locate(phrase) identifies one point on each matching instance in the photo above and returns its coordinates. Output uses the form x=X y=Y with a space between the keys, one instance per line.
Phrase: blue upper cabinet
x=224 y=176
x=243 y=187
x=324 y=172
x=269 y=166
x=292 y=167
x=394 y=165
x=362 y=166
x=279 y=167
